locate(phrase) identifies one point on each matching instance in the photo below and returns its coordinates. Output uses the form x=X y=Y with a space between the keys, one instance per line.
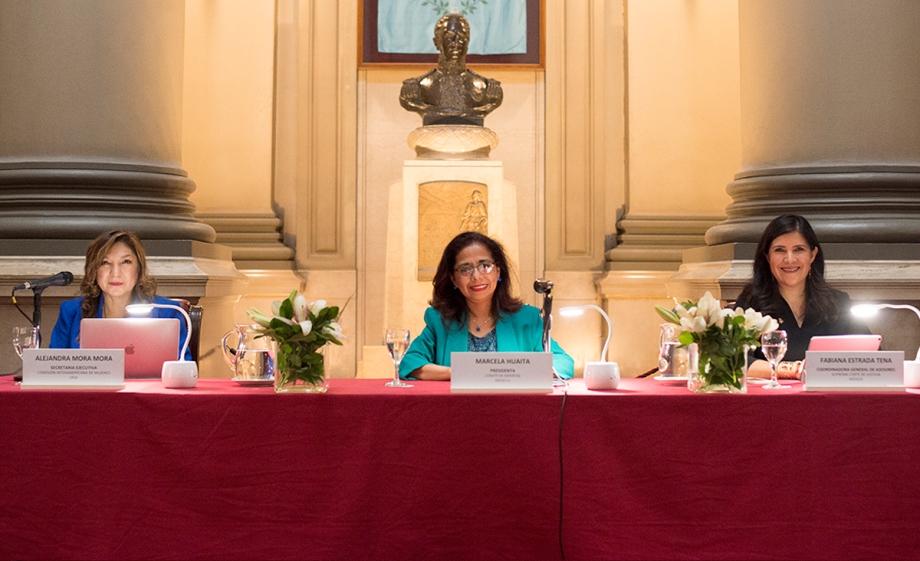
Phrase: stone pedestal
x=435 y=201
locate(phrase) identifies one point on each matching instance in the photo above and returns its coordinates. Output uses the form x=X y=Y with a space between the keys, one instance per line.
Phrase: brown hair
x=144 y=290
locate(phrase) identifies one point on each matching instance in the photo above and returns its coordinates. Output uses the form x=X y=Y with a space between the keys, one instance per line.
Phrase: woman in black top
x=789 y=285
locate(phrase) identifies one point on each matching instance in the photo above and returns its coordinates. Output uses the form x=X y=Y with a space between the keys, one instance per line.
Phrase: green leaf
x=287 y=309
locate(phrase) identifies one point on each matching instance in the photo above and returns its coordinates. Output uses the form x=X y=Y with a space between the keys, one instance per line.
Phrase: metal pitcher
x=253 y=357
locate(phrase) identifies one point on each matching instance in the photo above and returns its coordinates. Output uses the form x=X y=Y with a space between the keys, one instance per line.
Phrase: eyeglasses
x=466 y=270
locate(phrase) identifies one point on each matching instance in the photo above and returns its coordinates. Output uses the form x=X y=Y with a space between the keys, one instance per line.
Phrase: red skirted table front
x=368 y=472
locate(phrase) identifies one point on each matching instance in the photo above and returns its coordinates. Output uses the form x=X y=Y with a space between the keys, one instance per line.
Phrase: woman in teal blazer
x=472 y=309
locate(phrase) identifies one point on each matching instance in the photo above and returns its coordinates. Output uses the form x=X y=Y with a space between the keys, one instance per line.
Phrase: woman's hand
x=790 y=370
x=432 y=372
x=787 y=369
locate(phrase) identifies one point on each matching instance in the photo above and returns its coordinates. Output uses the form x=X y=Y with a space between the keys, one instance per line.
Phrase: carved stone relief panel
x=446 y=208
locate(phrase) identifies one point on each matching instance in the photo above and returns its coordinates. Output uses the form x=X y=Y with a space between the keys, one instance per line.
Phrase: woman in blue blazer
x=114 y=275
x=472 y=309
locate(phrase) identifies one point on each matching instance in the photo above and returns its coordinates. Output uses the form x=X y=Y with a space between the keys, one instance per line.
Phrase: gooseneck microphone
x=61 y=279
x=545 y=287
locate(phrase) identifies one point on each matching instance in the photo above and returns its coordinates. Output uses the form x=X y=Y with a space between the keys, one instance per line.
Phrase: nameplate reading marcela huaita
x=502 y=360
x=501 y=372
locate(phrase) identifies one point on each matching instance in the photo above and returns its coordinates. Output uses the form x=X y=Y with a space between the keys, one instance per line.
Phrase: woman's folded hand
x=790 y=370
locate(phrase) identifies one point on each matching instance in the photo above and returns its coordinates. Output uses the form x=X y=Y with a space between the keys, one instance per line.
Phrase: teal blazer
x=515 y=333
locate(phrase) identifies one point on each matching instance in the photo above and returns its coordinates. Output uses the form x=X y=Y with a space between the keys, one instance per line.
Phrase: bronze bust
x=450 y=94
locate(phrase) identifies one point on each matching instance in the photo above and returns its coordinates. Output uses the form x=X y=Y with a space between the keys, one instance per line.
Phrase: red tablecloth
x=368 y=472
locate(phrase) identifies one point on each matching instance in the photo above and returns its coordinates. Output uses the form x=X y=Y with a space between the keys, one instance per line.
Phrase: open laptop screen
x=148 y=342
x=845 y=343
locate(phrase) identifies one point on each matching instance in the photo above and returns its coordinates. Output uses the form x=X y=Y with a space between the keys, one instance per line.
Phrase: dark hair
x=762 y=292
x=144 y=290
x=449 y=301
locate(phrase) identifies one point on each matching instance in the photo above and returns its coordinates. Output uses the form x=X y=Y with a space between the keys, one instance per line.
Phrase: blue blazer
x=66 y=332
x=518 y=332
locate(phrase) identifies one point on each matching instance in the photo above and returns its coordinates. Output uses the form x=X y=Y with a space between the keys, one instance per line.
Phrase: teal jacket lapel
x=456 y=343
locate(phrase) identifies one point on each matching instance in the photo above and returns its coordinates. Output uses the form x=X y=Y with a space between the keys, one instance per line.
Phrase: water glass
x=26 y=338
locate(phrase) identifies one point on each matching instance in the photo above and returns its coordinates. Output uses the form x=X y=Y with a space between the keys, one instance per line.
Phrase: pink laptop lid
x=845 y=343
x=148 y=342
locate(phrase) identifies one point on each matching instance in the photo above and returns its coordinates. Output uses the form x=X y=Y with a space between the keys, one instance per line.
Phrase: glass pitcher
x=253 y=357
x=673 y=359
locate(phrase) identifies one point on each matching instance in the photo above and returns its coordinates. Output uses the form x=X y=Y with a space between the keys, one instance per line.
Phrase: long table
x=367 y=472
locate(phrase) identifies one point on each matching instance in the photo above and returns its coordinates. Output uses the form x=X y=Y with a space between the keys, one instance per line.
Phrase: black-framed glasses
x=466 y=270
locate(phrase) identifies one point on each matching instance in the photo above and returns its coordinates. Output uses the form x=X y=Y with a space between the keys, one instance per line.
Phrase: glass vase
x=719 y=373
x=309 y=378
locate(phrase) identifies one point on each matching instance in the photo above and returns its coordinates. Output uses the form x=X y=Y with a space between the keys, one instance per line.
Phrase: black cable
x=565 y=393
x=25 y=315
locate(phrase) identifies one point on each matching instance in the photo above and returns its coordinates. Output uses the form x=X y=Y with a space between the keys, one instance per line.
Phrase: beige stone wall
x=382 y=132
x=637 y=111
x=684 y=106
x=227 y=104
x=683 y=146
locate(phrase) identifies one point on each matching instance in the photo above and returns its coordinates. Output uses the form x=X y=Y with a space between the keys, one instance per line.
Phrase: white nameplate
x=98 y=369
x=501 y=372
x=854 y=370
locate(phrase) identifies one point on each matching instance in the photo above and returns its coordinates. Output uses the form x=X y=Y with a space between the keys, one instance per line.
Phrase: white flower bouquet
x=722 y=334
x=301 y=331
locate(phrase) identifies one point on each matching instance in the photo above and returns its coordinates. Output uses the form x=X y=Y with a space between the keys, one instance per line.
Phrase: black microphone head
x=67 y=276
x=543 y=286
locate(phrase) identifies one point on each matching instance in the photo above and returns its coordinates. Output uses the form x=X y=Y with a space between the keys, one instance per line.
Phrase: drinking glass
x=25 y=338
x=397 y=341
x=774 y=348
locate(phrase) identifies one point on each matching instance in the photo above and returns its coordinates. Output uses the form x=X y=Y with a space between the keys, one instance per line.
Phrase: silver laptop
x=501 y=372
x=148 y=342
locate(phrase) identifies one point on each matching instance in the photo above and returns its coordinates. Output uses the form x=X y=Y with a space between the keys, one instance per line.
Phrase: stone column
x=829 y=123
x=90 y=139
x=829 y=116
x=90 y=120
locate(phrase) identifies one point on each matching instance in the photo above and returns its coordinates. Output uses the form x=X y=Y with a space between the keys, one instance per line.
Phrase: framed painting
x=400 y=32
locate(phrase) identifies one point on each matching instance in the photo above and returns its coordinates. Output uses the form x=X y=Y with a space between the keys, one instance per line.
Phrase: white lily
x=317 y=307
x=276 y=308
x=696 y=324
x=709 y=308
x=757 y=321
x=300 y=309
x=306 y=326
x=334 y=329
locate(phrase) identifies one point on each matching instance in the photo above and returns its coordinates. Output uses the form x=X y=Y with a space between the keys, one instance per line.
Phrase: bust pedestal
x=435 y=201
x=452 y=142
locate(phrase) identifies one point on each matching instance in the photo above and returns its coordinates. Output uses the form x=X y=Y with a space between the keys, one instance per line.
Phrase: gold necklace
x=487 y=321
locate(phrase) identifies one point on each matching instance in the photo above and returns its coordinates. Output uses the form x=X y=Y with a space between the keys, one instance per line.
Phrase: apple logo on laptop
x=129 y=350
